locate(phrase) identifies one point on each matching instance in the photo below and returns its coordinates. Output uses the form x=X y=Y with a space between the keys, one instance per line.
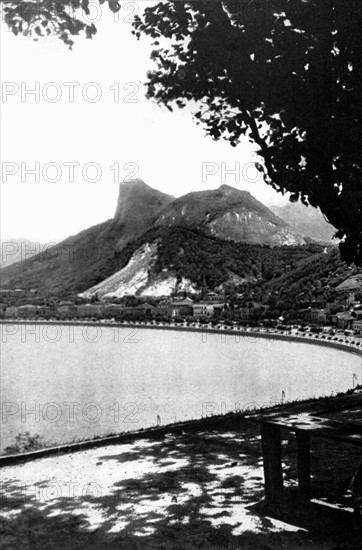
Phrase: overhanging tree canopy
x=62 y=18
x=287 y=73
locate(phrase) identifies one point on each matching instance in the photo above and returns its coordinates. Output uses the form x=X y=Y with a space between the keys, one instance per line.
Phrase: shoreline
x=254 y=335
x=175 y=427
x=231 y=419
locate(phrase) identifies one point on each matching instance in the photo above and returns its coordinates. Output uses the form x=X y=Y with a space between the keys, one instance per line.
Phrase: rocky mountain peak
x=138 y=200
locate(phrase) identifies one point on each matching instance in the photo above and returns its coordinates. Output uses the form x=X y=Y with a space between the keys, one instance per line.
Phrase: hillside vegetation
x=313 y=278
x=209 y=261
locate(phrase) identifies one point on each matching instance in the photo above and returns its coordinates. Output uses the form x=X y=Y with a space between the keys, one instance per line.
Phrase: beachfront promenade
x=352 y=344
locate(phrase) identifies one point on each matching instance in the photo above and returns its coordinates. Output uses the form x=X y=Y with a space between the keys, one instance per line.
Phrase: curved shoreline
x=253 y=335
x=197 y=423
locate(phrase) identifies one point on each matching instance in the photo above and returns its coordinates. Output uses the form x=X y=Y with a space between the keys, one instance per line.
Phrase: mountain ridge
x=85 y=260
x=230 y=214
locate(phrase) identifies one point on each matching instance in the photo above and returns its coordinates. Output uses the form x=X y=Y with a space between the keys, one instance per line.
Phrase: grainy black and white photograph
x=181 y=275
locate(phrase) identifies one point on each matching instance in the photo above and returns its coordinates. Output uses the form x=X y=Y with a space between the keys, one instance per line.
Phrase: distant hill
x=229 y=214
x=307 y=220
x=92 y=255
x=165 y=260
x=315 y=277
x=18 y=249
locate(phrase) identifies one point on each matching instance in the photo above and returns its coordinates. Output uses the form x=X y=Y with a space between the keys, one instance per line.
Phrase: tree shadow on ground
x=191 y=491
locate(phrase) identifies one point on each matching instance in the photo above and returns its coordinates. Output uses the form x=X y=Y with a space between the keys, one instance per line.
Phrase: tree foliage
x=286 y=73
x=61 y=18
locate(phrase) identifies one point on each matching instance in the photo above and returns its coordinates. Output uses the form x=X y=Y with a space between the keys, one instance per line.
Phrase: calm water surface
x=71 y=382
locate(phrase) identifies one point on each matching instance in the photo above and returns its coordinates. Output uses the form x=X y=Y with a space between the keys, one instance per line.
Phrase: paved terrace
x=192 y=489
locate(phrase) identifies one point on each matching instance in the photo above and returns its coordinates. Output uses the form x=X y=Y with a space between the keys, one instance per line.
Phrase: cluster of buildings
x=350 y=317
x=345 y=314
x=166 y=309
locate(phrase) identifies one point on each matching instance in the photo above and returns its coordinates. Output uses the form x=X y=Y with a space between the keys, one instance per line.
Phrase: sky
x=89 y=126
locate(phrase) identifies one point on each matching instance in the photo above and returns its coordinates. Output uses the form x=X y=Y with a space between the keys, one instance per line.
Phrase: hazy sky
x=121 y=129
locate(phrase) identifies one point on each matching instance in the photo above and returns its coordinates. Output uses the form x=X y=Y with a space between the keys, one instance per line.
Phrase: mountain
x=83 y=260
x=157 y=244
x=307 y=220
x=229 y=214
x=17 y=249
x=168 y=259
